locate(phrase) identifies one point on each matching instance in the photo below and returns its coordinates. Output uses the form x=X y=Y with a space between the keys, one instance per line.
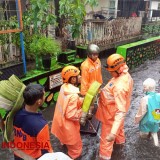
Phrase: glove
x=111 y=137
x=90 y=112
x=83 y=119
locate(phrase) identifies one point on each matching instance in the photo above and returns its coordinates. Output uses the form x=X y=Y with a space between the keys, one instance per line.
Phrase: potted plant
x=45 y=48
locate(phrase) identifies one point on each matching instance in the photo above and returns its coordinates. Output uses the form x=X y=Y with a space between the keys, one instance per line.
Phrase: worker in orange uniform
x=65 y=125
x=114 y=102
x=90 y=70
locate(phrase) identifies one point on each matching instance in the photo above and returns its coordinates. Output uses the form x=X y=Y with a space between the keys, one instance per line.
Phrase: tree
x=74 y=12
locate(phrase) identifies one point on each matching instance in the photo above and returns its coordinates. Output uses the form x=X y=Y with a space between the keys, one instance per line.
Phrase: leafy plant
x=36 y=19
x=40 y=14
x=42 y=45
x=74 y=13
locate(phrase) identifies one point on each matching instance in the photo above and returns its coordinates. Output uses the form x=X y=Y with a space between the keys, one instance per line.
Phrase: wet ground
x=134 y=148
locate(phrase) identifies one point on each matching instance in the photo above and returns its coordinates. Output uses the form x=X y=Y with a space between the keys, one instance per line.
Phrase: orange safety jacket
x=90 y=72
x=115 y=100
x=65 y=125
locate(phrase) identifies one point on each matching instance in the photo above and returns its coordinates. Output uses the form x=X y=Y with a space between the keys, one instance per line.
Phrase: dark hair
x=32 y=93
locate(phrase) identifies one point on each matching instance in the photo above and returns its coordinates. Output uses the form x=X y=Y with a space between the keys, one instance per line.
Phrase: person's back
x=148 y=115
x=27 y=127
x=31 y=132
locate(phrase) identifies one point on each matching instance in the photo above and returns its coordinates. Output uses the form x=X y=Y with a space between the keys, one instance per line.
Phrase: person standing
x=90 y=71
x=31 y=130
x=114 y=102
x=148 y=115
x=65 y=125
x=90 y=68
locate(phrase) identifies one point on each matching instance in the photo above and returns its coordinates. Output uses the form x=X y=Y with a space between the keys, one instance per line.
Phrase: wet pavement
x=134 y=148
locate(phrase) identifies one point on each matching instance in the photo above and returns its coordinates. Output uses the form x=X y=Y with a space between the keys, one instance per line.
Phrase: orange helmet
x=69 y=71
x=114 y=62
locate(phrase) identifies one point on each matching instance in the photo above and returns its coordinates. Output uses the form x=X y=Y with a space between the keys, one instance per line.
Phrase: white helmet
x=92 y=48
x=149 y=85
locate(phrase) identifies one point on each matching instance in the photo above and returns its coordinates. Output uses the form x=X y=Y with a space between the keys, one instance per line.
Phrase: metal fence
x=104 y=32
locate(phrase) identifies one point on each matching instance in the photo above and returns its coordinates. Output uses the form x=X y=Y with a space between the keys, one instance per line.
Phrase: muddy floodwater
x=134 y=148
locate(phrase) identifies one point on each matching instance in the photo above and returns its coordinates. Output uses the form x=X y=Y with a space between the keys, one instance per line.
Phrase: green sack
x=11 y=99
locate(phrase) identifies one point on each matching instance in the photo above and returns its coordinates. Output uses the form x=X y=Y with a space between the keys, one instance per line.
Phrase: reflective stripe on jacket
x=115 y=100
x=67 y=112
x=90 y=72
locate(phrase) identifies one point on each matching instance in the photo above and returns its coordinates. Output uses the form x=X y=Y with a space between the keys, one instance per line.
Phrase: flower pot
x=71 y=44
x=81 y=51
x=67 y=56
x=46 y=62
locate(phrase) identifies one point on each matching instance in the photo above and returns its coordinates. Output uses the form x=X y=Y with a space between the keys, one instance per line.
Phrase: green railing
x=138 y=52
x=51 y=80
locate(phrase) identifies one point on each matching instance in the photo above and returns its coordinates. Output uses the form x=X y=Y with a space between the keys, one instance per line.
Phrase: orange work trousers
x=74 y=151
x=106 y=148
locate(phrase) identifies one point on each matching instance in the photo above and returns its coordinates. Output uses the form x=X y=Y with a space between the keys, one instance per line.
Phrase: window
x=112 y=4
x=158 y=6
